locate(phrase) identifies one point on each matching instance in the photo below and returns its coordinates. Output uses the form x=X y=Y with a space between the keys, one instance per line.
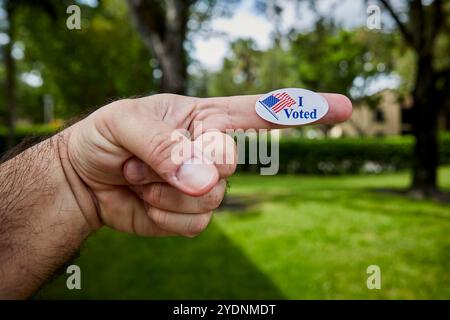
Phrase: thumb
x=165 y=150
x=138 y=173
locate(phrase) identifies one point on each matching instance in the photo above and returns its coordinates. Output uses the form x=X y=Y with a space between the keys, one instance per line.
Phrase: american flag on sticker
x=277 y=102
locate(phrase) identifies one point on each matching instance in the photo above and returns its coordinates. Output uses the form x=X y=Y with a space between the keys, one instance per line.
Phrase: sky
x=246 y=22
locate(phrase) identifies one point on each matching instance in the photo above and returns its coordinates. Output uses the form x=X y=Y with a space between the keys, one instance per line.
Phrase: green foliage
x=86 y=68
x=325 y=59
x=28 y=131
x=250 y=71
x=329 y=59
x=314 y=156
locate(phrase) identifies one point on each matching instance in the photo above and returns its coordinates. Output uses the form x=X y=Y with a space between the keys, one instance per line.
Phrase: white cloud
x=247 y=23
x=210 y=52
x=244 y=23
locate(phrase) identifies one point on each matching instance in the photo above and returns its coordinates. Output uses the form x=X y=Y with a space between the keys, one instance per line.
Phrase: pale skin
x=114 y=168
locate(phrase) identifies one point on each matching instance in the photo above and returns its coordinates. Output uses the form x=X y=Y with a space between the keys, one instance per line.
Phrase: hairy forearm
x=41 y=221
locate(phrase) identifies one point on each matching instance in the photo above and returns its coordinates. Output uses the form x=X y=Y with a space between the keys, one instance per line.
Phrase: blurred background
x=371 y=191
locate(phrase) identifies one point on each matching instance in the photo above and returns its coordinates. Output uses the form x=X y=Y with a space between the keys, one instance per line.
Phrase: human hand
x=117 y=168
x=124 y=175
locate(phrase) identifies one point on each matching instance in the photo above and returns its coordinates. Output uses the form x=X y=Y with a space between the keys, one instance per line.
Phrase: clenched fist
x=124 y=154
x=137 y=165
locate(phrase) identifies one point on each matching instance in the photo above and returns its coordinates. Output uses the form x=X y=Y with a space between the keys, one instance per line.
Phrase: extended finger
x=241 y=114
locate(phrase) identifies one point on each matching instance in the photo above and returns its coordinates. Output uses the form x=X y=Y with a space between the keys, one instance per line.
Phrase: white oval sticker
x=291 y=106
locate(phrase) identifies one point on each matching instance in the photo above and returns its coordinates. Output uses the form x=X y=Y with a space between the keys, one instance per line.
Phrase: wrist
x=82 y=196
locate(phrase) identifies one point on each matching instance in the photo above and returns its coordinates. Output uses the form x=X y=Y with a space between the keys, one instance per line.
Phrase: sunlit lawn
x=302 y=237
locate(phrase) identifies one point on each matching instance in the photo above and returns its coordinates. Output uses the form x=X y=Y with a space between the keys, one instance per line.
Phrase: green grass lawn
x=302 y=237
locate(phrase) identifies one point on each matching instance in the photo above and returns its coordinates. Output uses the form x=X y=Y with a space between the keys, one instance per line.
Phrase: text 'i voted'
x=291 y=106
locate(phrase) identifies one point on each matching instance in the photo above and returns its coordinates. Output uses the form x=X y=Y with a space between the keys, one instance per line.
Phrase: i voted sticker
x=291 y=106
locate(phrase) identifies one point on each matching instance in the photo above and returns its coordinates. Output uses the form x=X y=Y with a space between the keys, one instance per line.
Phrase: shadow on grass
x=120 y=266
x=391 y=202
x=436 y=196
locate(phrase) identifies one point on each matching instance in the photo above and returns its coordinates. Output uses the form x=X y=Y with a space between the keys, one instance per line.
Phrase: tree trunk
x=173 y=65
x=425 y=23
x=163 y=31
x=10 y=81
x=425 y=122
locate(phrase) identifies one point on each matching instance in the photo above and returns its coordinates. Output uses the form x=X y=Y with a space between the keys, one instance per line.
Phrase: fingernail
x=136 y=170
x=197 y=176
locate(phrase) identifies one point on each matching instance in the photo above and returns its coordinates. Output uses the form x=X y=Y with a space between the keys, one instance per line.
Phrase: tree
x=85 y=68
x=420 y=32
x=10 y=75
x=354 y=58
x=240 y=73
x=11 y=7
x=163 y=26
x=349 y=55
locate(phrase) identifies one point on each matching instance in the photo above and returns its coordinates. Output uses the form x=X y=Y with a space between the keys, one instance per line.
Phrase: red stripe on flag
x=283 y=105
x=282 y=96
x=285 y=101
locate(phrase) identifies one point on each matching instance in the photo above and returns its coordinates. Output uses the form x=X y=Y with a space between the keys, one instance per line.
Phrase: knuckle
x=230 y=150
x=114 y=112
x=212 y=200
x=159 y=217
x=229 y=158
x=124 y=104
x=163 y=102
x=164 y=96
x=158 y=144
x=228 y=169
x=154 y=194
x=233 y=168
x=197 y=225
x=123 y=108
x=128 y=103
x=159 y=153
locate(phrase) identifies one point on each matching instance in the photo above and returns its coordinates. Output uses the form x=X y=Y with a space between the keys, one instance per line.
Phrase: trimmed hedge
x=348 y=155
x=26 y=132
x=318 y=156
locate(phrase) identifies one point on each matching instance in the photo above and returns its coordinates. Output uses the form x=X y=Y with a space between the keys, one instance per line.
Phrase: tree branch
x=405 y=32
x=437 y=21
x=445 y=73
x=150 y=22
x=417 y=25
x=151 y=12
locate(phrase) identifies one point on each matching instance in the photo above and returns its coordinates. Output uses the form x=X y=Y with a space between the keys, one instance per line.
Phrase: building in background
x=391 y=116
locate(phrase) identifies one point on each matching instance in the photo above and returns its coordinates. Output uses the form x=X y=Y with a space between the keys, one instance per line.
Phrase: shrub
x=23 y=132
x=316 y=156
x=348 y=155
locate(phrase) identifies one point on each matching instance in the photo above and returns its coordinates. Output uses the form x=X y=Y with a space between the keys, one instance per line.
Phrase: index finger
x=242 y=115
